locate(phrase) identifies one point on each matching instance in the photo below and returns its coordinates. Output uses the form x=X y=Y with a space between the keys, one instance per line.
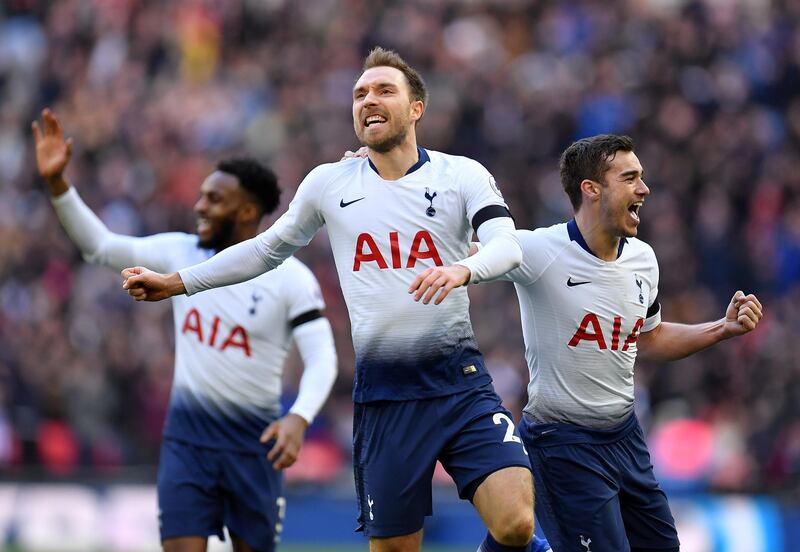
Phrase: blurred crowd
x=154 y=93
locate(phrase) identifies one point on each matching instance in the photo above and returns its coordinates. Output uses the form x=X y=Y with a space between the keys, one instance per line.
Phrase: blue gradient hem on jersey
x=410 y=379
x=201 y=422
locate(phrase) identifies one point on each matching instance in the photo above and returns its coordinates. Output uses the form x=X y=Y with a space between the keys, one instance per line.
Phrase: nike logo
x=570 y=283
x=343 y=204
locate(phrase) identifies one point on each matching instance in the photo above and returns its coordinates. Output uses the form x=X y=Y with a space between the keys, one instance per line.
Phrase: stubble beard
x=389 y=143
x=220 y=239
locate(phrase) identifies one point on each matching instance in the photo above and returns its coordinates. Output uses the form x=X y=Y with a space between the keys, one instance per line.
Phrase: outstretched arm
x=238 y=263
x=96 y=242
x=245 y=260
x=671 y=341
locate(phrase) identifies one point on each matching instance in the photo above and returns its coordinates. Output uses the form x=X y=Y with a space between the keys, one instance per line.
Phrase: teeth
x=374 y=119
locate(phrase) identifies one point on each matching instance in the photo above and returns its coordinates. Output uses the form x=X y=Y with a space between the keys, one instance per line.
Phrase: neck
x=394 y=164
x=240 y=234
x=603 y=243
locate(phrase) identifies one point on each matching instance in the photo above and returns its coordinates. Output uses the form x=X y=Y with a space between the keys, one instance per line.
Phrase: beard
x=219 y=239
x=389 y=143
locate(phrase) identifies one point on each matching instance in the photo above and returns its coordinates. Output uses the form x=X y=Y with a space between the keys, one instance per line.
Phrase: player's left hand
x=743 y=314
x=288 y=433
x=444 y=278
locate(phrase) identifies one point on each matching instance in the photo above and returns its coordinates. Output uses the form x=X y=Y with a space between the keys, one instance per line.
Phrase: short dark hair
x=589 y=159
x=256 y=178
x=380 y=57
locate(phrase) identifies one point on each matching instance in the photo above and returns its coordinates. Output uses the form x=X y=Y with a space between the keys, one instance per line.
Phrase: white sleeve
x=315 y=342
x=260 y=254
x=537 y=255
x=101 y=246
x=653 y=317
x=500 y=253
x=479 y=189
x=301 y=290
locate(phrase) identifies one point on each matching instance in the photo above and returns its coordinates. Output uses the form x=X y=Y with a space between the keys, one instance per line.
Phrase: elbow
x=515 y=256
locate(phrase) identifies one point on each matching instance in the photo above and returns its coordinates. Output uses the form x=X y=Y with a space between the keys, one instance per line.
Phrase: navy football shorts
x=200 y=490
x=396 y=445
x=595 y=489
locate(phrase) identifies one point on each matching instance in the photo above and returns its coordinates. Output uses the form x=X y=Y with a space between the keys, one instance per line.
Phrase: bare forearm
x=671 y=341
x=57 y=185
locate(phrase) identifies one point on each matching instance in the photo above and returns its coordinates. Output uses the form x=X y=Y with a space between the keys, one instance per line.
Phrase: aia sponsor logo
x=591 y=330
x=236 y=338
x=368 y=251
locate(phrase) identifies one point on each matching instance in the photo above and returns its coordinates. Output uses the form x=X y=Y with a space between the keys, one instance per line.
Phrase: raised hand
x=145 y=285
x=53 y=152
x=288 y=433
x=743 y=314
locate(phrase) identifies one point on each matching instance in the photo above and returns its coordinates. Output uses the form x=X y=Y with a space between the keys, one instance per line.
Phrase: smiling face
x=218 y=210
x=623 y=193
x=383 y=112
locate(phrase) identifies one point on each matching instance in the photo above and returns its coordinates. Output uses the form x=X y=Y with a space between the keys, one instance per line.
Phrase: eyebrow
x=632 y=172
x=378 y=85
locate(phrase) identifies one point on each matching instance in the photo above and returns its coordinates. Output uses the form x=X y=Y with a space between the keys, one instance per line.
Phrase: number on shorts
x=499 y=418
x=281 y=502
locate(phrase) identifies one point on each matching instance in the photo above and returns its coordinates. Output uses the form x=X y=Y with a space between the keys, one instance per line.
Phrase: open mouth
x=203 y=225
x=634 y=210
x=375 y=119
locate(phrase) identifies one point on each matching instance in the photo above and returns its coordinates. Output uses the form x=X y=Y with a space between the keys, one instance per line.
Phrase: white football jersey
x=230 y=345
x=581 y=317
x=383 y=233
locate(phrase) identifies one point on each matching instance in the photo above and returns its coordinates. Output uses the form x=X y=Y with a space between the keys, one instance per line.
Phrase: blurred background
x=155 y=93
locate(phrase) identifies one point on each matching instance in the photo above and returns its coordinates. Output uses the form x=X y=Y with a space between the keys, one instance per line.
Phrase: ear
x=417 y=110
x=248 y=212
x=591 y=190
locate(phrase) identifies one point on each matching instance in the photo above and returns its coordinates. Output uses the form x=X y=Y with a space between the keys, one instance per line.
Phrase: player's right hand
x=287 y=432
x=145 y=285
x=53 y=152
x=360 y=152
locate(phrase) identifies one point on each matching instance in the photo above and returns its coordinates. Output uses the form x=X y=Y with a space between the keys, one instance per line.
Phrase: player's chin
x=206 y=240
x=629 y=229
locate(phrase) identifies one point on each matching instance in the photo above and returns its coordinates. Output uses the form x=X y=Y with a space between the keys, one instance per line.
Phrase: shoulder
x=293 y=274
x=458 y=163
x=318 y=181
x=549 y=236
x=294 y=268
x=641 y=250
x=329 y=171
x=175 y=241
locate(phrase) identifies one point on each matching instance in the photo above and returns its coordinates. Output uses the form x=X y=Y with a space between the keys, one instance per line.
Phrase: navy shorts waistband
x=560 y=433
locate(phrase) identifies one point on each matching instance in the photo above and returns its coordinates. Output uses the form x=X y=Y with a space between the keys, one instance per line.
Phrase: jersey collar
x=423 y=158
x=576 y=236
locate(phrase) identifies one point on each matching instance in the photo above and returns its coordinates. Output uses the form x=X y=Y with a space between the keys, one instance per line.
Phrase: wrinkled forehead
x=382 y=75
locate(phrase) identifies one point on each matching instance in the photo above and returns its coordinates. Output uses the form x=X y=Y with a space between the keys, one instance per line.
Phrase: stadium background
x=154 y=93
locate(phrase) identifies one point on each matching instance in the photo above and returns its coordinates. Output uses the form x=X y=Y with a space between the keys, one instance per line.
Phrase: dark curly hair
x=589 y=159
x=256 y=178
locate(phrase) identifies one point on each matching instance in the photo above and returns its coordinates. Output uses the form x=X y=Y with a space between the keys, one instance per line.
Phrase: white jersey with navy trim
x=230 y=346
x=581 y=317
x=230 y=343
x=382 y=234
